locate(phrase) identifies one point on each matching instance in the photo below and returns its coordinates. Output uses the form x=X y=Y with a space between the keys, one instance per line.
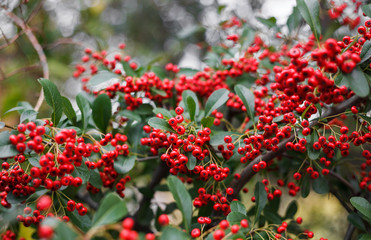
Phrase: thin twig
x=147 y=158
x=350 y=231
x=63 y=41
x=35 y=43
x=19 y=70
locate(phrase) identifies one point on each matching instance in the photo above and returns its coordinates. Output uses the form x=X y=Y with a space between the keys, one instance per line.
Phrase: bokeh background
x=177 y=31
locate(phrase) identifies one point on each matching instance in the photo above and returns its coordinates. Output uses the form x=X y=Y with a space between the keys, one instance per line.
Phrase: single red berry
x=163 y=220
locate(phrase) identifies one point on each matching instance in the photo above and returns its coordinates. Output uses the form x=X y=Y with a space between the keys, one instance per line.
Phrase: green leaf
x=358 y=82
x=185 y=95
x=366 y=9
x=163 y=111
x=216 y=99
x=365 y=236
x=207 y=121
x=35 y=161
x=191 y=107
x=83 y=172
x=260 y=199
x=312 y=153
x=84 y=107
x=82 y=222
x=28 y=114
x=102 y=111
x=61 y=230
x=235 y=217
x=7 y=151
x=13 y=199
x=363 y=206
x=294 y=19
x=111 y=209
x=272 y=217
x=101 y=77
x=131 y=115
x=173 y=233
x=124 y=164
x=189 y=72
x=53 y=99
x=160 y=123
x=191 y=162
x=305 y=187
x=320 y=185
x=182 y=199
x=68 y=110
x=218 y=137
x=269 y=22
x=356 y=220
x=366 y=52
x=237 y=206
x=95 y=178
x=156 y=91
x=309 y=10
x=128 y=70
x=291 y=210
x=247 y=98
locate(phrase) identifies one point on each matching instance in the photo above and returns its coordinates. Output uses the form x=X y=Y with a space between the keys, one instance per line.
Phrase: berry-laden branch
x=39 y=50
x=248 y=172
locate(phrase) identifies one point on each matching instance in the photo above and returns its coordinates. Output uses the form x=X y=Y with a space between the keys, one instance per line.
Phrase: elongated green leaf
x=128 y=70
x=84 y=107
x=218 y=137
x=269 y=22
x=247 y=98
x=131 y=115
x=61 y=229
x=235 y=217
x=366 y=52
x=7 y=151
x=28 y=114
x=95 y=178
x=173 y=233
x=237 y=206
x=124 y=164
x=294 y=19
x=189 y=72
x=216 y=99
x=207 y=121
x=363 y=206
x=160 y=123
x=291 y=210
x=111 y=209
x=309 y=10
x=366 y=9
x=191 y=162
x=102 y=111
x=260 y=199
x=185 y=95
x=163 y=111
x=156 y=91
x=83 y=172
x=182 y=199
x=356 y=220
x=358 y=82
x=101 y=77
x=320 y=185
x=366 y=236
x=191 y=107
x=312 y=153
x=305 y=186
x=53 y=99
x=68 y=110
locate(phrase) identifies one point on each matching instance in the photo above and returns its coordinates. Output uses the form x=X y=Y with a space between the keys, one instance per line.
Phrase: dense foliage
x=287 y=116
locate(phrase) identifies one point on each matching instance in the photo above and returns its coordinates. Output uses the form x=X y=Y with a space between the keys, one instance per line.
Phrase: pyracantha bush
x=287 y=116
